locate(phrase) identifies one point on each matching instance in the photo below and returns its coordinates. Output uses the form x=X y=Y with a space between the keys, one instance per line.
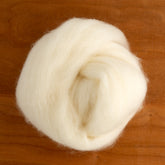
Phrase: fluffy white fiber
x=80 y=84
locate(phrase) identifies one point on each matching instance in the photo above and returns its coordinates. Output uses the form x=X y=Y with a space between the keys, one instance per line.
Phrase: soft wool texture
x=80 y=84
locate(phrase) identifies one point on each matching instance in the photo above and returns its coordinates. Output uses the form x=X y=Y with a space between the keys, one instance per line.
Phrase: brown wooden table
x=22 y=22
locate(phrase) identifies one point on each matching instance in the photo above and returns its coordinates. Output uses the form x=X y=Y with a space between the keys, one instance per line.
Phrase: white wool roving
x=81 y=84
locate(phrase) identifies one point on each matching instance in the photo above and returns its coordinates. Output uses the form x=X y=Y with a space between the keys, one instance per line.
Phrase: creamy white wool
x=80 y=84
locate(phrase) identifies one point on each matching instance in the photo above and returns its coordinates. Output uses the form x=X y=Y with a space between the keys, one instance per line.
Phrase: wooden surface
x=22 y=22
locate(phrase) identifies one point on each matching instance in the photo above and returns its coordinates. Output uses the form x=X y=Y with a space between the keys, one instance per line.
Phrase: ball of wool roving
x=81 y=84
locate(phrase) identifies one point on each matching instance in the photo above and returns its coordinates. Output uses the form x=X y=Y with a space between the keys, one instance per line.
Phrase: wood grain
x=22 y=22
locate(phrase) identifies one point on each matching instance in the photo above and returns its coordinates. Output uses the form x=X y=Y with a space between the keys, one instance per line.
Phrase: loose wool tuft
x=80 y=84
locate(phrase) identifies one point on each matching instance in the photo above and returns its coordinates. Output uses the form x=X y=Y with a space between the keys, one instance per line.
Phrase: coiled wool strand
x=80 y=84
